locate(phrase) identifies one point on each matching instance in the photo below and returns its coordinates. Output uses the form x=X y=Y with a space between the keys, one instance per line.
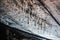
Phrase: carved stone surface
x=32 y=16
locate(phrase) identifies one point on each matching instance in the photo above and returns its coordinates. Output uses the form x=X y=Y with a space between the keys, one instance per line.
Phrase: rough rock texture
x=32 y=16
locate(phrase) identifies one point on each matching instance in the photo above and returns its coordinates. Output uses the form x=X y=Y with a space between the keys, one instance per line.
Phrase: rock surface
x=32 y=16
